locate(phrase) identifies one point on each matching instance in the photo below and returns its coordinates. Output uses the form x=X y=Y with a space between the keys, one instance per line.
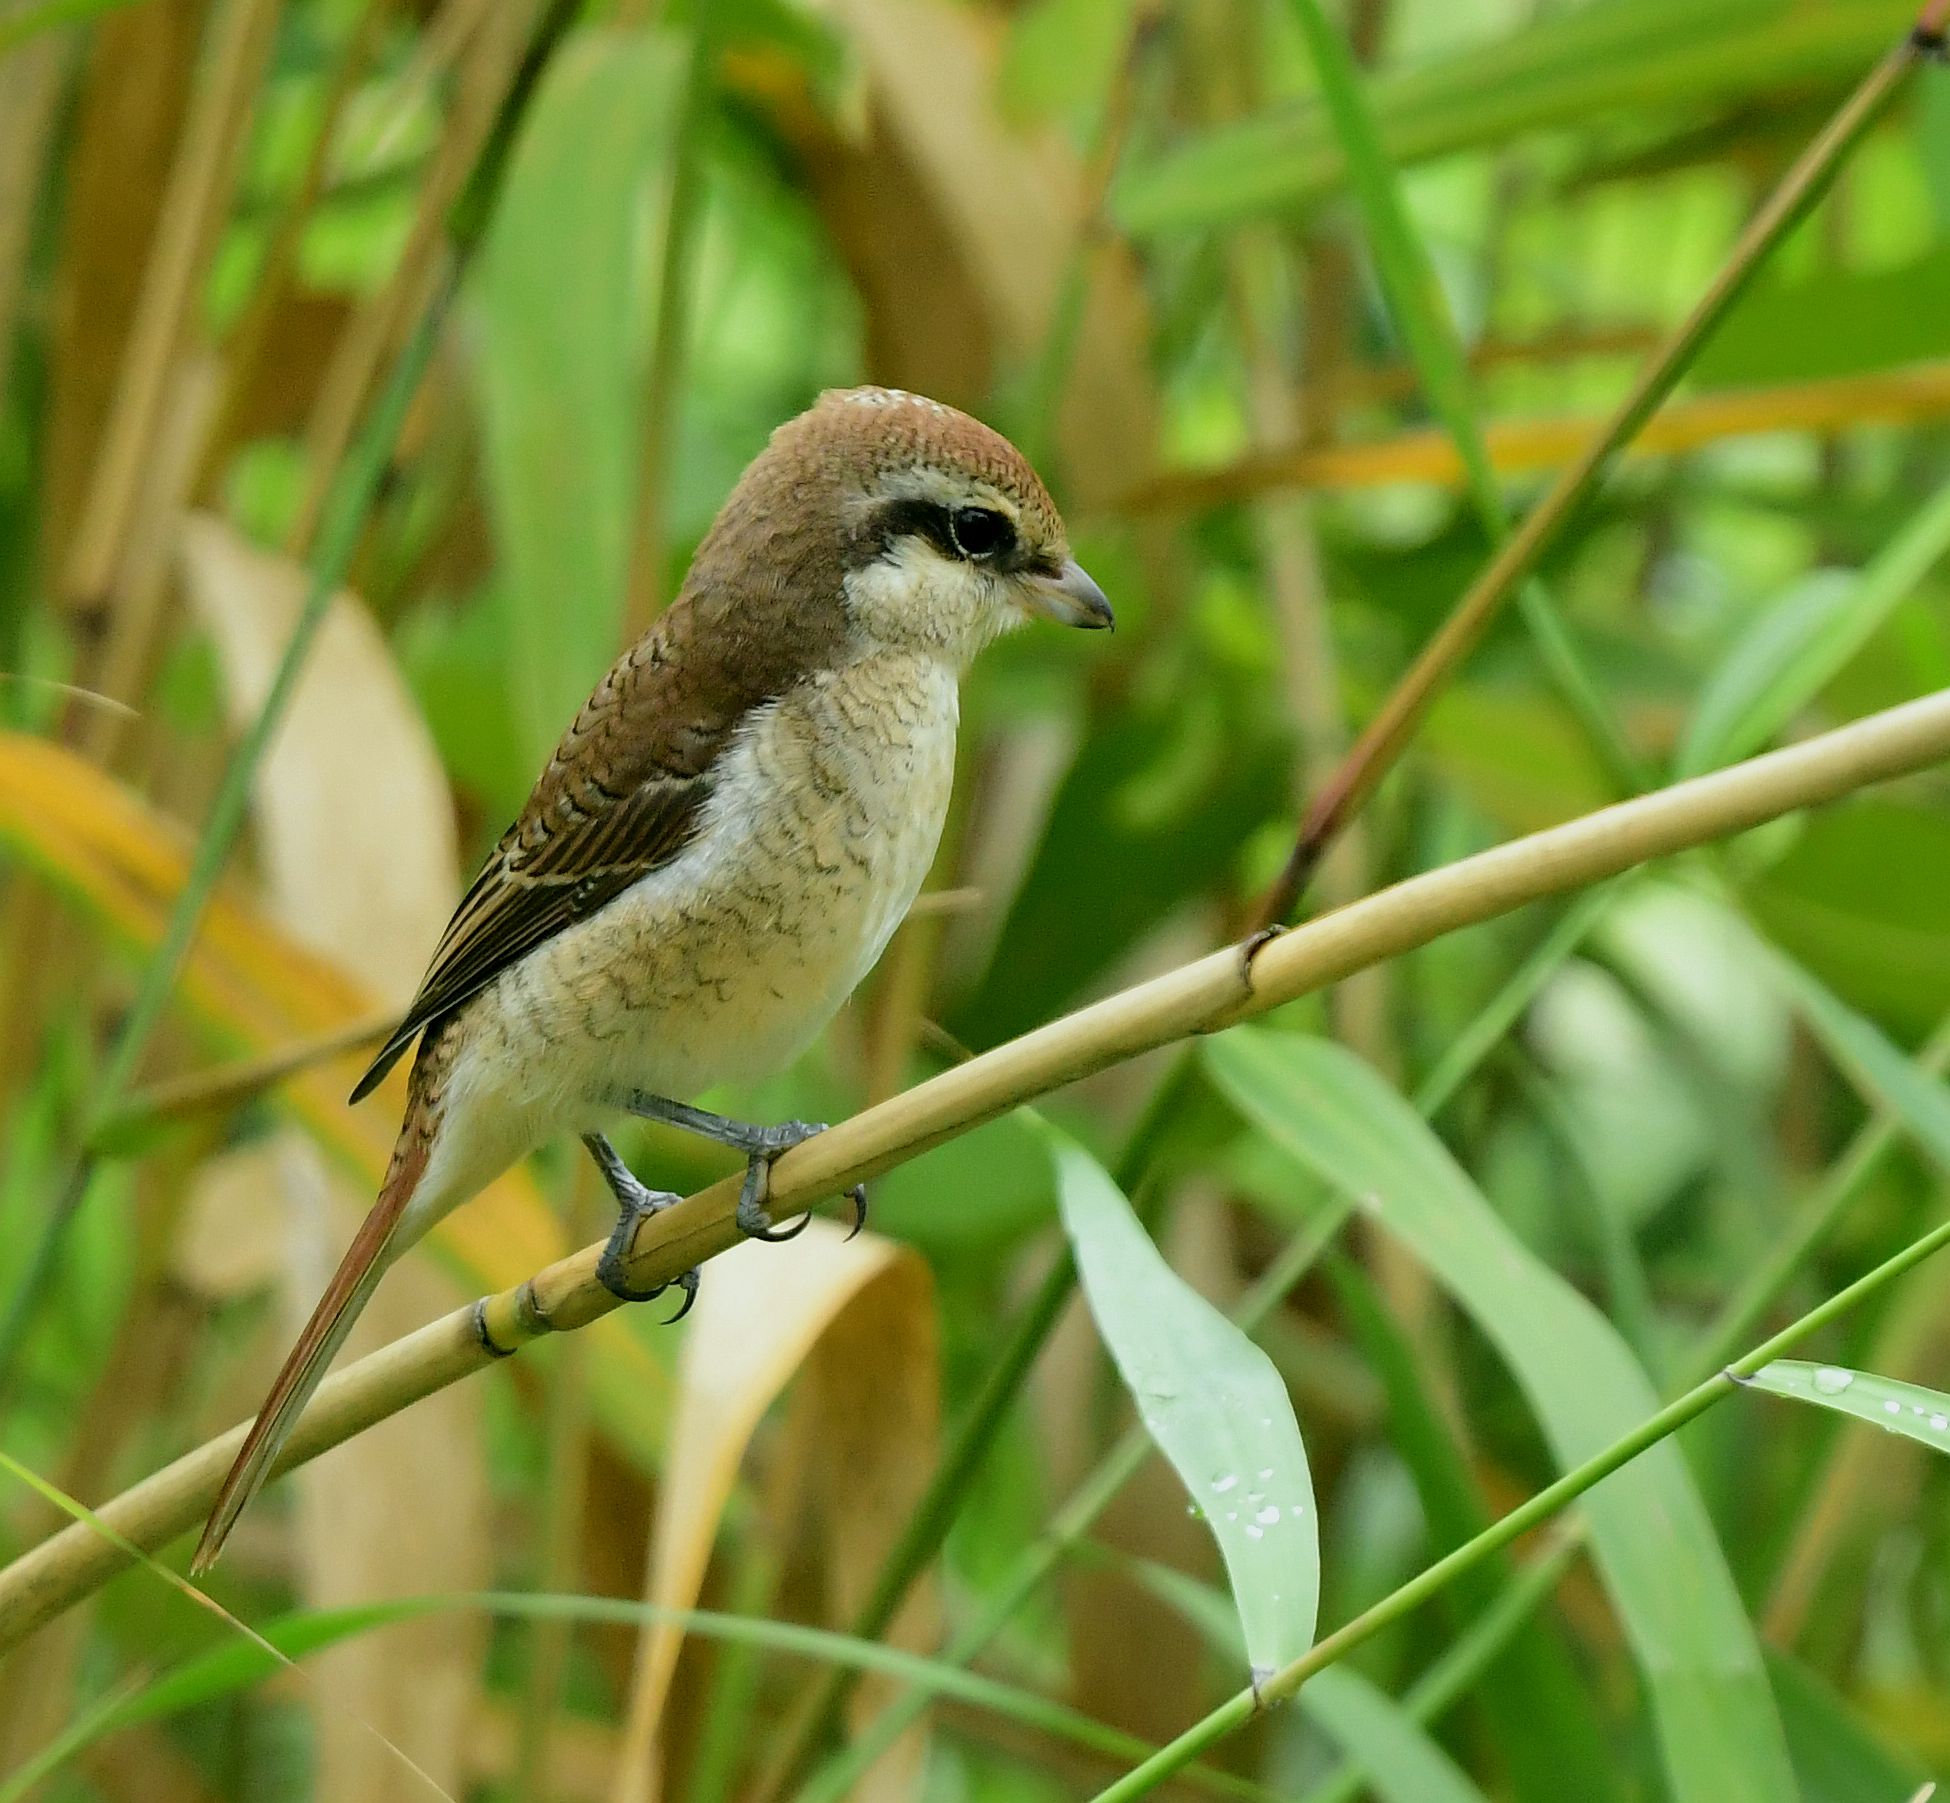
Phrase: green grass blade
x=1872 y=1061
x=1838 y=1758
x=1474 y=1044
x=236 y=1665
x=1910 y=1410
x=1534 y=1705
x=1394 y=1753
x=1654 y=1545
x=1401 y=1602
x=1796 y=646
x=564 y=295
x=1563 y=70
x=1402 y=1763
x=347 y=505
x=1212 y=1402
x=1421 y=315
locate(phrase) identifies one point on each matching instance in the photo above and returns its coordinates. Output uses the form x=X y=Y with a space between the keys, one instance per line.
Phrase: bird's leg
x=760 y=1145
x=633 y=1201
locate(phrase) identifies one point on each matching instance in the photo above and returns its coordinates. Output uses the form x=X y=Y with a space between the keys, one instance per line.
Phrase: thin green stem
x=1414 y=294
x=1475 y=1042
x=1453 y=1675
x=1392 y=727
x=840 y=1777
x=1450 y=1676
x=1540 y=1508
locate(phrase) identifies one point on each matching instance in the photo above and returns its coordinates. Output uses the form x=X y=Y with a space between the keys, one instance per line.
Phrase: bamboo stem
x=1207 y=995
x=227 y=1087
x=1520 y=554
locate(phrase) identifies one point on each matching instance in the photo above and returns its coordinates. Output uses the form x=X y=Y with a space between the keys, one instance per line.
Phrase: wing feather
x=627 y=785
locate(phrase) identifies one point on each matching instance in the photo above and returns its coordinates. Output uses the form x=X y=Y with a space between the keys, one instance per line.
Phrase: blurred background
x=1123 y=232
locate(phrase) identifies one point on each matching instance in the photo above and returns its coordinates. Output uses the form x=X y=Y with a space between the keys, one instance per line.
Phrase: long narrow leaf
x=1798 y=645
x=1877 y=1066
x=1897 y=1408
x=234 y=1666
x=565 y=293
x=1654 y=1545
x=1213 y=1403
x=1567 y=68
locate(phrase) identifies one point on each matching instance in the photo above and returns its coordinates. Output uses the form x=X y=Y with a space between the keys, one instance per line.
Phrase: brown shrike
x=722 y=843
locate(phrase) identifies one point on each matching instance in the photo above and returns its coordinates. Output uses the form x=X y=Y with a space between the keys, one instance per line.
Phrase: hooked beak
x=1069 y=598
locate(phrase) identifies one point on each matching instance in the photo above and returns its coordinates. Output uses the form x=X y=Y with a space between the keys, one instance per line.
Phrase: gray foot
x=761 y=1148
x=634 y=1203
x=761 y=1145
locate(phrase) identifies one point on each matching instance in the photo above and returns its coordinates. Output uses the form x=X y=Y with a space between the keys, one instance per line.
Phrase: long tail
x=365 y=1262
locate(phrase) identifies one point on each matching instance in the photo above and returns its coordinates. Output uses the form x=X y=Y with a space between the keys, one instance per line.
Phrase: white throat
x=916 y=600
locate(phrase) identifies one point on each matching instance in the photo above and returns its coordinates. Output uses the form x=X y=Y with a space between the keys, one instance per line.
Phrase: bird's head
x=927 y=530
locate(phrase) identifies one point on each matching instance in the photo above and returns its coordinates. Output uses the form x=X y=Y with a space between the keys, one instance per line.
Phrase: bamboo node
x=506 y=1322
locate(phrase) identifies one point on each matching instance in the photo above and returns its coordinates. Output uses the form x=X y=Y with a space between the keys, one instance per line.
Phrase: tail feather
x=352 y=1285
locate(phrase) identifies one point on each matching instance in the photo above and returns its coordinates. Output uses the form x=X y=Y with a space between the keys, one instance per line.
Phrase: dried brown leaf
x=761 y=1317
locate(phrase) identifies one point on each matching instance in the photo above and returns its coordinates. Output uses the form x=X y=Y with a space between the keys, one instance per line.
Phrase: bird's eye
x=981 y=531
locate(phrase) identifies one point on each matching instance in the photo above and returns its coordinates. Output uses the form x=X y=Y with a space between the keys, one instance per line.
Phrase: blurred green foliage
x=901 y=191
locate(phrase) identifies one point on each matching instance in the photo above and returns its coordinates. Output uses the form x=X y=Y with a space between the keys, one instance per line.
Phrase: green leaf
x=1611 y=59
x=1402 y=1763
x=566 y=297
x=1895 y=1407
x=1798 y=645
x=1212 y=1402
x=1836 y=1757
x=1869 y=321
x=1874 y=1063
x=1834 y=904
x=1651 y=1538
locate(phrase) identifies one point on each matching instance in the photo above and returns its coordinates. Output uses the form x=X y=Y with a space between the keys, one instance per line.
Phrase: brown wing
x=621 y=796
x=526 y=895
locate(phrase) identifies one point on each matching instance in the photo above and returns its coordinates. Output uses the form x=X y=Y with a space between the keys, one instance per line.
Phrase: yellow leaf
x=354 y=828
x=248 y=987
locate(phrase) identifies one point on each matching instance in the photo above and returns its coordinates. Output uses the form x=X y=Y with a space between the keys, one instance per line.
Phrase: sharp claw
x=753 y=1221
x=634 y=1203
x=610 y=1273
x=688 y=1284
x=777 y=1236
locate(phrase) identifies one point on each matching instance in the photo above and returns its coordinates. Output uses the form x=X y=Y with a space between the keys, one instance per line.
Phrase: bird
x=720 y=846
